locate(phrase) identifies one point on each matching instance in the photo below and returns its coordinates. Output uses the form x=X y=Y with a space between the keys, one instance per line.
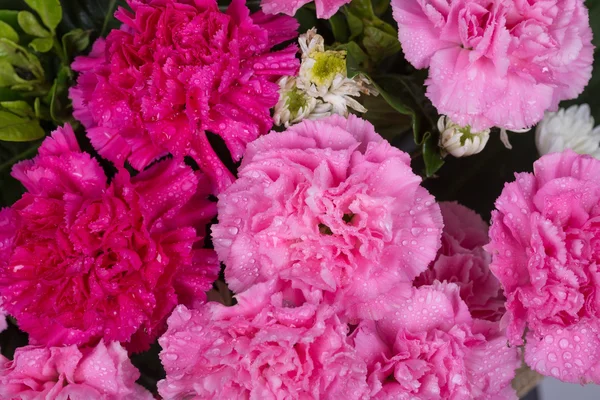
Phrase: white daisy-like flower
x=294 y=104
x=322 y=87
x=571 y=128
x=460 y=141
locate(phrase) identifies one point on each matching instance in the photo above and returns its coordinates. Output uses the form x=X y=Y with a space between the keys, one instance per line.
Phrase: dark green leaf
x=380 y=44
x=14 y=128
x=59 y=96
x=355 y=24
x=42 y=45
x=7 y=94
x=49 y=11
x=306 y=18
x=10 y=17
x=96 y=16
x=431 y=154
x=7 y=32
x=75 y=42
x=339 y=27
x=30 y=25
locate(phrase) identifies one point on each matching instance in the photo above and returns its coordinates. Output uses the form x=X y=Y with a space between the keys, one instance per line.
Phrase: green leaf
x=306 y=18
x=30 y=25
x=19 y=108
x=59 y=95
x=14 y=128
x=8 y=76
x=75 y=42
x=7 y=32
x=19 y=57
x=355 y=24
x=380 y=44
x=339 y=27
x=49 y=11
x=10 y=17
x=42 y=45
x=431 y=154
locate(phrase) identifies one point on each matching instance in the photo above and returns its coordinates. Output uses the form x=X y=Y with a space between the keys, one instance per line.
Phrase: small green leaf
x=14 y=128
x=29 y=23
x=380 y=44
x=19 y=107
x=306 y=18
x=7 y=32
x=49 y=11
x=19 y=57
x=75 y=41
x=7 y=94
x=431 y=154
x=42 y=45
x=339 y=27
x=8 y=76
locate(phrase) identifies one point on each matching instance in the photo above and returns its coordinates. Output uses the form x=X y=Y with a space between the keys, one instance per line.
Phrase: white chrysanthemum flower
x=294 y=104
x=571 y=128
x=322 y=87
x=460 y=141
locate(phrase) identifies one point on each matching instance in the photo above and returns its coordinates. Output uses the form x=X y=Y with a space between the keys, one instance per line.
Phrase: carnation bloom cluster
x=85 y=260
x=336 y=228
x=497 y=62
x=311 y=261
x=545 y=242
x=177 y=69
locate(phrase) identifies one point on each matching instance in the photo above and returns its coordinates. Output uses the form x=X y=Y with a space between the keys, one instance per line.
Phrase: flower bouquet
x=287 y=199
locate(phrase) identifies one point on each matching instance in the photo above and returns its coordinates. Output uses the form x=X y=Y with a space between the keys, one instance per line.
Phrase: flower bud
x=460 y=141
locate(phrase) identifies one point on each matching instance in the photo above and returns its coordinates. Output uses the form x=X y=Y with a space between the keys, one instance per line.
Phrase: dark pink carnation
x=328 y=205
x=276 y=343
x=429 y=347
x=462 y=260
x=545 y=243
x=498 y=62
x=90 y=260
x=103 y=372
x=325 y=8
x=176 y=69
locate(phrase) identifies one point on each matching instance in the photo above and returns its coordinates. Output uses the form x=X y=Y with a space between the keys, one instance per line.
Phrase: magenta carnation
x=545 y=243
x=329 y=205
x=497 y=62
x=276 y=343
x=429 y=347
x=90 y=260
x=325 y=8
x=462 y=260
x=176 y=69
x=62 y=373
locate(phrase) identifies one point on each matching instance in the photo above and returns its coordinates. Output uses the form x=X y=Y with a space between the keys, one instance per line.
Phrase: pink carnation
x=62 y=373
x=90 y=260
x=429 y=347
x=497 y=62
x=329 y=205
x=462 y=260
x=325 y=8
x=274 y=344
x=177 y=69
x=545 y=243
x=8 y=222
